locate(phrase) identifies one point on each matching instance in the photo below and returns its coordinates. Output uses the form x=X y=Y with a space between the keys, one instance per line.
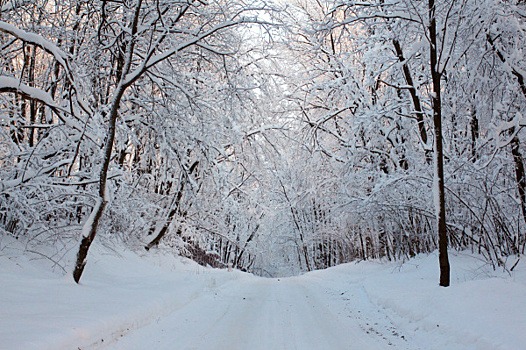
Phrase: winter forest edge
x=276 y=137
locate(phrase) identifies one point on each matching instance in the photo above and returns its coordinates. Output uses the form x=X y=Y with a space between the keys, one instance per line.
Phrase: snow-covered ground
x=161 y=302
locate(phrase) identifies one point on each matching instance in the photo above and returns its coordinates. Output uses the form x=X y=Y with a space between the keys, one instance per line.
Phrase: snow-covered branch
x=37 y=40
x=13 y=85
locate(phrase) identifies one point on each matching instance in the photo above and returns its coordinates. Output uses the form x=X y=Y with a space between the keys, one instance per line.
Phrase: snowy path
x=162 y=302
x=260 y=313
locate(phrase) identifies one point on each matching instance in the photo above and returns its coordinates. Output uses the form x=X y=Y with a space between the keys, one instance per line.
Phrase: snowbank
x=41 y=310
x=483 y=309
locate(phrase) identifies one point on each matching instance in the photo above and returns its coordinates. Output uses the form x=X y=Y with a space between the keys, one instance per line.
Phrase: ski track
x=257 y=313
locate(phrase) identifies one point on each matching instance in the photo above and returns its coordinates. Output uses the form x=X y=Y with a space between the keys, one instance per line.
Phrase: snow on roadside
x=42 y=310
x=483 y=309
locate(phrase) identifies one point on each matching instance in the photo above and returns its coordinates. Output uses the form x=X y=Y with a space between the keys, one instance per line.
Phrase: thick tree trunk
x=439 y=188
x=90 y=227
x=88 y=238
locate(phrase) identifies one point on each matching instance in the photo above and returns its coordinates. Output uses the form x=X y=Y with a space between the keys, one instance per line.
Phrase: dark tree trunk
x=474 y=123
x=87 y=240
x=90 y=227
x=93 y=221
x=439 y=190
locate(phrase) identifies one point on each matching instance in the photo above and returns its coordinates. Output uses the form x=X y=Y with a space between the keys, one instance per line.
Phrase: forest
x=276 y=137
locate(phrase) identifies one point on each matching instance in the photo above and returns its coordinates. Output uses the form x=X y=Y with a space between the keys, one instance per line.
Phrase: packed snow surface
x=160 y=302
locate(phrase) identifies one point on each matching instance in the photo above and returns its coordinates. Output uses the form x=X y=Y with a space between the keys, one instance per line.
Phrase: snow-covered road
x=162 y=302
x=257 y=313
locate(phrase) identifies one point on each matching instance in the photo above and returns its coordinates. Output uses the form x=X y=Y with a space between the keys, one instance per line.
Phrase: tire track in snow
x=253 y=313
x=151 y=312
x=373 y=318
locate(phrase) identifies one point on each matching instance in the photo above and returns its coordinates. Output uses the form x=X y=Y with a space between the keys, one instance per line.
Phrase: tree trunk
x=515 y=142
x=249 y=239
x=417 y=104
x=91 y=225
x=364 y=252
x=519 y=174
x=474 y=124
x=175 y=207
x=295 y=219
x=439 y=188
x=31 y=51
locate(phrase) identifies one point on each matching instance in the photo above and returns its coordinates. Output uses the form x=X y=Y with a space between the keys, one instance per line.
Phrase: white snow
x=10 y=83
x=160 y=302
x=36 y=39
